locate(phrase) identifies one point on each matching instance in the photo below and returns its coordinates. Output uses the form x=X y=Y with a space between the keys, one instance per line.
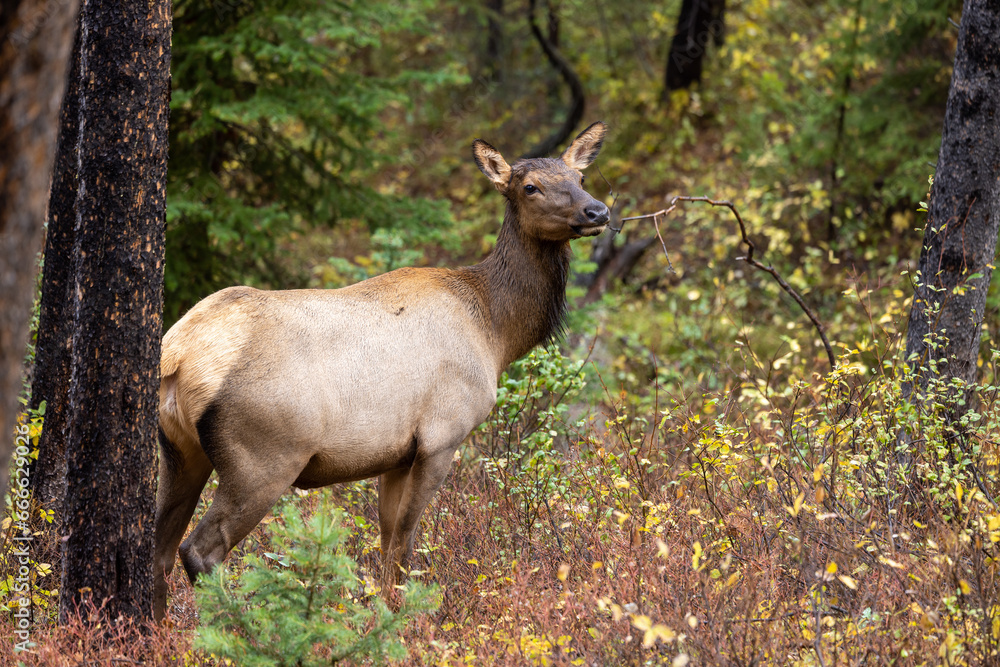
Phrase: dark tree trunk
x=552 y=12
x=961 y=235
x=613 y=263
x=52 y=345
x=494 y=39
x=117 y=304
x=578 y=100
x=699 y=22
x=35 y=40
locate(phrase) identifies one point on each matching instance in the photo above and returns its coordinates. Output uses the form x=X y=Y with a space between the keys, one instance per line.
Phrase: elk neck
x=523 y=284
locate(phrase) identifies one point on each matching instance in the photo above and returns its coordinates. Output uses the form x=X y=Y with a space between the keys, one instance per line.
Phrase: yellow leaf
x=848 y=581
x=958 y=492
x=662 y=550
x=794 y=510
x=818 y=473
x=681 y=660
x=891 y=563
x=663 y=633
x=831 y=568
x=642 y=622
x=563 y=571
x=964 y=585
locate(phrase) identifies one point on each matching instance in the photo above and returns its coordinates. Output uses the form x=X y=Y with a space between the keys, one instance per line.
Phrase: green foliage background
x=315 y=144
x=682 y=478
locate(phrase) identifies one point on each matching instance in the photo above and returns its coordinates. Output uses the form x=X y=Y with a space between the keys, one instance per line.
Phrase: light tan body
x=327 y=343
x=383 y=378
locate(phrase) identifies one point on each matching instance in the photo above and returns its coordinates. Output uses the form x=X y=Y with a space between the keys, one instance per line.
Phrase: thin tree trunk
x=494 y=40
x=117 y=307
x=942 y=341
x=578 y=98
x=35 y=40
x=699 y=22
x=52 y=345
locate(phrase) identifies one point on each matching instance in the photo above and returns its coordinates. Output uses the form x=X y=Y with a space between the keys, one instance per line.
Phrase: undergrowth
x=752 y=527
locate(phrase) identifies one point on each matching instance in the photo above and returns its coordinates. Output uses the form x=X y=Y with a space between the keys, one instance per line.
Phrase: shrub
x=306 y=606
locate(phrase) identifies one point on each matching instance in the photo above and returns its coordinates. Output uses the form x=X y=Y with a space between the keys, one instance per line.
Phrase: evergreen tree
x=275 y=116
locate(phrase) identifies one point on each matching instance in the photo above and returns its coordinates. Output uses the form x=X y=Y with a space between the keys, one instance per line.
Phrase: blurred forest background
x=315 y=145
x=683 y=479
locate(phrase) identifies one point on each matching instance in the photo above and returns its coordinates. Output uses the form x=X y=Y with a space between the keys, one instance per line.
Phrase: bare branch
x=748 y=258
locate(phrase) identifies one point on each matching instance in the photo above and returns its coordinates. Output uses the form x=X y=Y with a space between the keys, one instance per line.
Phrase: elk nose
x=598 y=213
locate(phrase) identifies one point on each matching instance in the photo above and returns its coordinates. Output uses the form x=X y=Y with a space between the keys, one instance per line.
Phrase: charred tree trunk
x=577 y=94
x=117 y=306
x=52 y=345
x=942 y=341
x=699 y=22
x=35 y=40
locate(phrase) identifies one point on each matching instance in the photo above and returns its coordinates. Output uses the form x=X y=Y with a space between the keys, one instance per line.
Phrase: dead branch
x=748 y=258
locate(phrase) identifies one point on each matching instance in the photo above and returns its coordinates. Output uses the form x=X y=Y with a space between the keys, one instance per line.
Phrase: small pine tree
x=309 y=607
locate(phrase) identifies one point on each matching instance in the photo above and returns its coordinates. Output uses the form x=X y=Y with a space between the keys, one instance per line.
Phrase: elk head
x=547 y=194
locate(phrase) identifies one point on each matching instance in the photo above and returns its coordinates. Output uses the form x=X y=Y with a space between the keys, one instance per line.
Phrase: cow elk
x=384 y=378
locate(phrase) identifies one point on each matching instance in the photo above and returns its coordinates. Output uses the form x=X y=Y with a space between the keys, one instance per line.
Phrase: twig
x=748 y=258
x=656 y=226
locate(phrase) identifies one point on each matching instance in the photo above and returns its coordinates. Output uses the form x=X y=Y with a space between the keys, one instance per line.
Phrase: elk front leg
x=390 y=492
x=403 y=496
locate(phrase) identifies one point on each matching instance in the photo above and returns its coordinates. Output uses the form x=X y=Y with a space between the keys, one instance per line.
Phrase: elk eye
x=582 y=179
x=530 y=189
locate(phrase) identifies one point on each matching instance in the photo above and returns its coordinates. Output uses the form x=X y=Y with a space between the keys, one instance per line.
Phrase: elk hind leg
x=182 y=477
x=240 y=503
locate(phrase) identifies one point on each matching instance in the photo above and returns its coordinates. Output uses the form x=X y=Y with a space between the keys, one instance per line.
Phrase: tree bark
x=52 y=344
x=117 y=307
x=35 y=39
x=942 y=340
x=699 y=22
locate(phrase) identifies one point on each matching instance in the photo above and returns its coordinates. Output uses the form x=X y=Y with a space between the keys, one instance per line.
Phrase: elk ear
x=492 y=164
x=585 y=147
